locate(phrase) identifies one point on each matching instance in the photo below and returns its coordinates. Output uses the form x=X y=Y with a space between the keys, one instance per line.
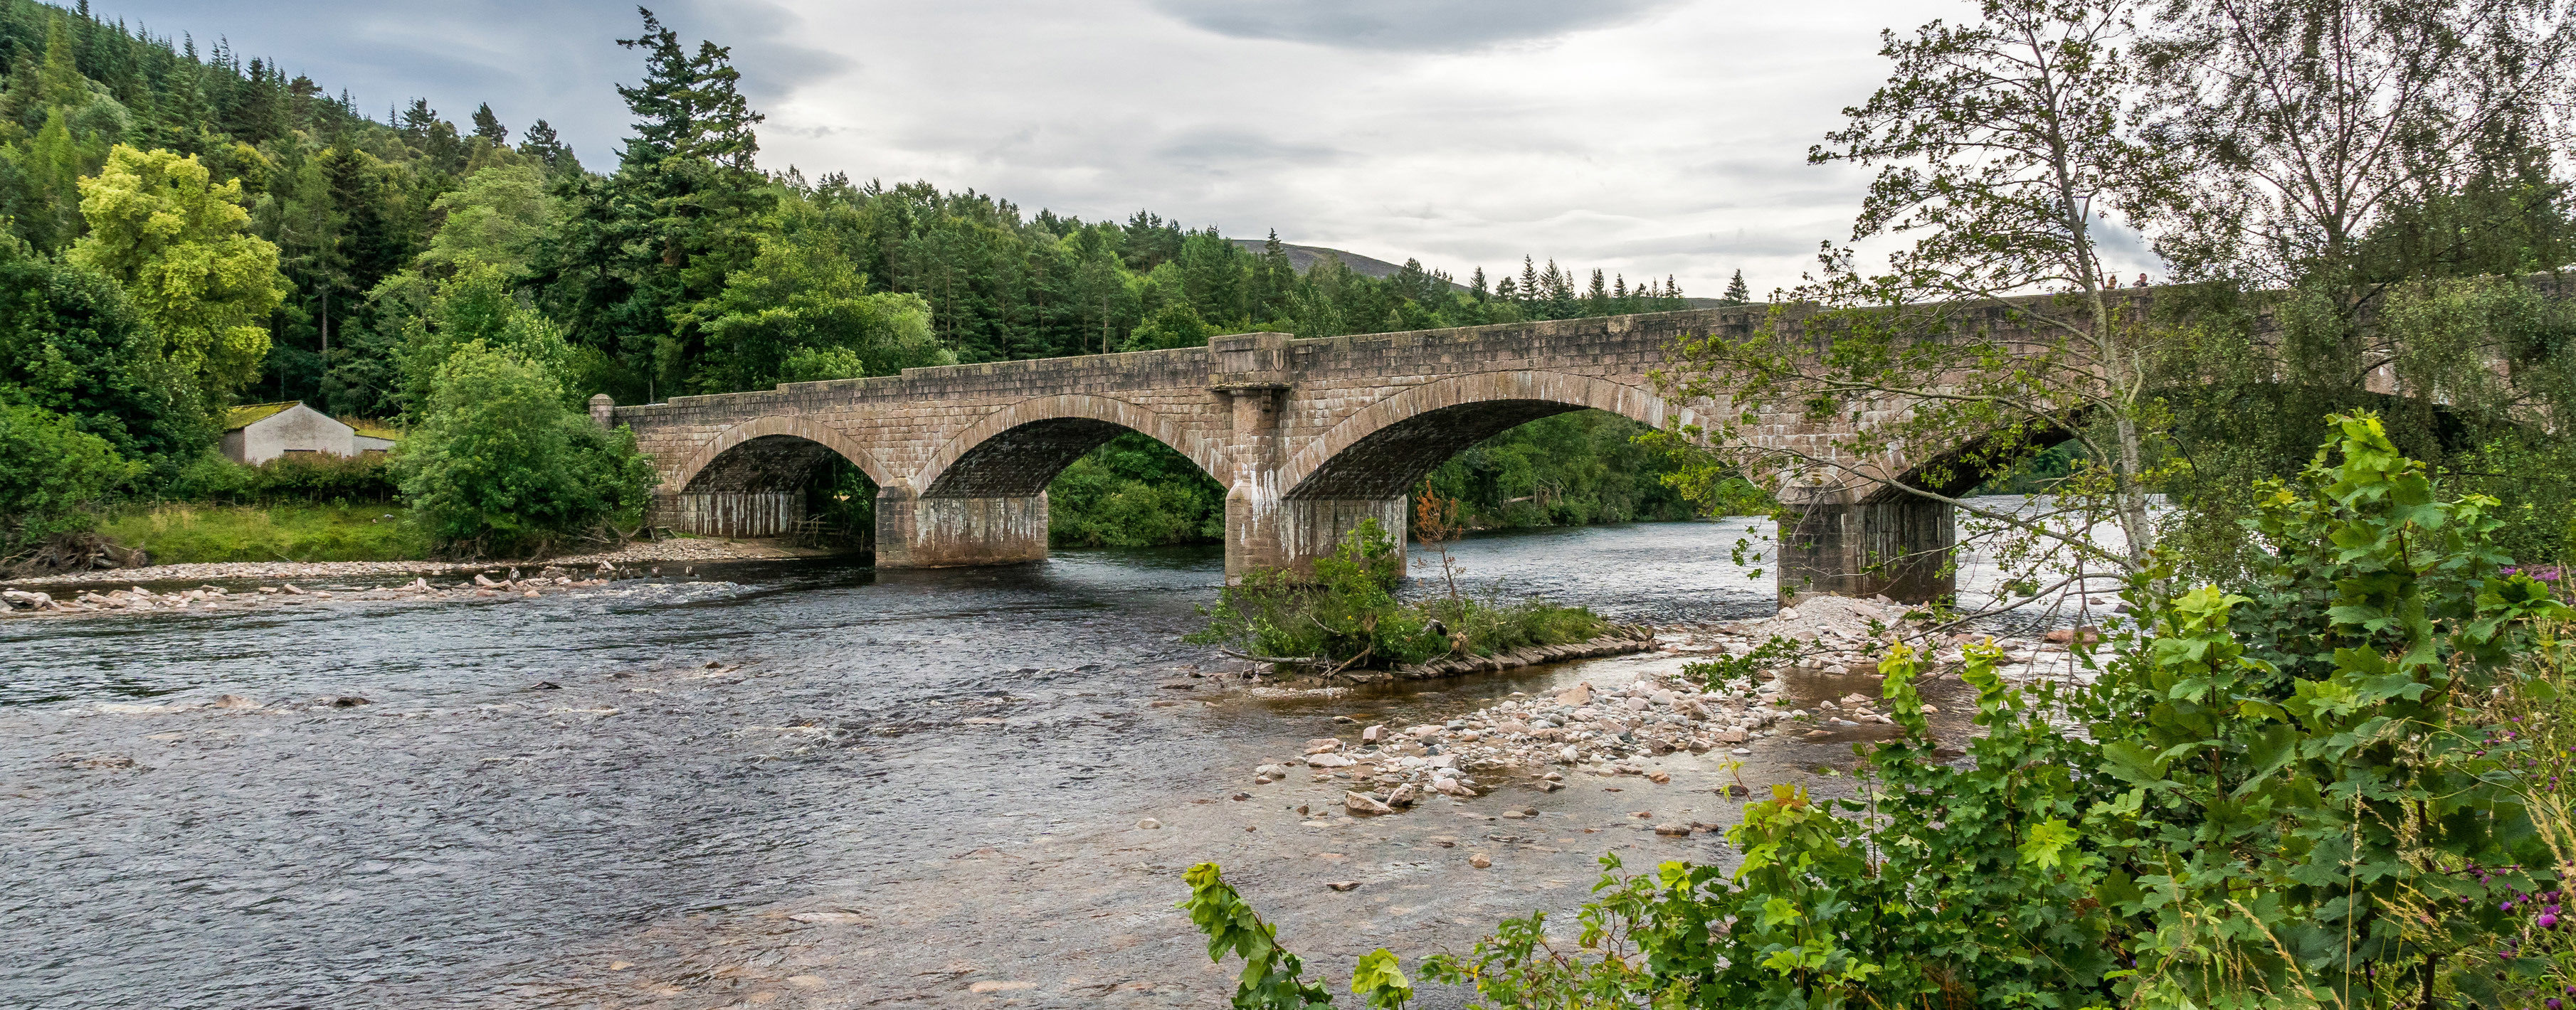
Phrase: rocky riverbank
x=681 y=550
x=286 y=594
x=1610 y=731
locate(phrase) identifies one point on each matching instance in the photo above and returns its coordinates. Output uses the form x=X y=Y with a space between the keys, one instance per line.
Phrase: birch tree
x=1995 y=327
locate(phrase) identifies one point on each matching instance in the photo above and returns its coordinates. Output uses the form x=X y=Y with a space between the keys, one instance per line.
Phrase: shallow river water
x=786 y=784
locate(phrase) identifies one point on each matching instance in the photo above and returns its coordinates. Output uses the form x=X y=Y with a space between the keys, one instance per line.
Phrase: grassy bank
x=182 y=534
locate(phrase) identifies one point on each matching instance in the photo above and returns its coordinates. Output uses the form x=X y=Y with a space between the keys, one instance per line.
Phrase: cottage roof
x=252 y=413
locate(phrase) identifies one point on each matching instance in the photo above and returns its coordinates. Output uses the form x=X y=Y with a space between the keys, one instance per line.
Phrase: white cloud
x=1646 y=137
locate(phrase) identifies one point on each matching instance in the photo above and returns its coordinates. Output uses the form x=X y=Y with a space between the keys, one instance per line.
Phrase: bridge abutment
x=1290 y=533
x=1836 y=546
x=919 y=532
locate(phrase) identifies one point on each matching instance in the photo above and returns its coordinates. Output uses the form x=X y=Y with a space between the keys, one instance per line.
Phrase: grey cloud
x=1405 y=25
x=553 y=60
x=1226 y=147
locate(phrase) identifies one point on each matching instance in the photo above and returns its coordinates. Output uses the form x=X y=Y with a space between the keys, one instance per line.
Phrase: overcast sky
x=1646 y=137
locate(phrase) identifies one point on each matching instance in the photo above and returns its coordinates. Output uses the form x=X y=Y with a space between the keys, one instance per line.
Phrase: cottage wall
x=295 y=429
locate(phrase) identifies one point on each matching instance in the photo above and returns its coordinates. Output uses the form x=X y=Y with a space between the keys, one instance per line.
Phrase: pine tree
x=1529 y=279
x=689 y=107
x=1736 y=292
x=1618 y=286
x=488 y=126
x=1476 y=285
x=540 y=143
x=58 y=79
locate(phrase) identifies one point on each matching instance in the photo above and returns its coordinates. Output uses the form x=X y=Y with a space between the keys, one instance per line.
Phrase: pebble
x=1149 y=824
x=1480 y=861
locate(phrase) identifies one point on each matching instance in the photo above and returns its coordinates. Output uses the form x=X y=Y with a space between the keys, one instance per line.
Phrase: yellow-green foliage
x=180 y=244
x=178 y=534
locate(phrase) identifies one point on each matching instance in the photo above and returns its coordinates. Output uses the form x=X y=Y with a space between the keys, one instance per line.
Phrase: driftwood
x=76 y=552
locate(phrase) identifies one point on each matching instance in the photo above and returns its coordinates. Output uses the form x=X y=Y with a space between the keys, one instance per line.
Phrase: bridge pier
x=1269 y=532
x=919 y=532
x=731 y=513
x=1900 y=548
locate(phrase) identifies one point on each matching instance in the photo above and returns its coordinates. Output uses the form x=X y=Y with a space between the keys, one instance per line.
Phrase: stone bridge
x=1310 y=437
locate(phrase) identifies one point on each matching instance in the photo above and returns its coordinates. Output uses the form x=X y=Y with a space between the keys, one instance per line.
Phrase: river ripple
x=743 y=740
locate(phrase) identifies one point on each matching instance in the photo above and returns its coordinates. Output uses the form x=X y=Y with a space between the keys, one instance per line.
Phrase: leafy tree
x=500 y=465
x=51 y=473
x=1176 y=324
x=2000 y=146
x=179 y=246
x=2356 y=167
x=73 y=345
x=804 y=302
x=2311 y=121
x=498 y=217
x=475 y=308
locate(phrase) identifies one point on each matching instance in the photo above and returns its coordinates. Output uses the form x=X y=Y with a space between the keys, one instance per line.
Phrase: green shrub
x=1271 y=974
x=1348 y=614
x=2299 y=794
x=51 y=474
x=502 y=466
x=315 y=477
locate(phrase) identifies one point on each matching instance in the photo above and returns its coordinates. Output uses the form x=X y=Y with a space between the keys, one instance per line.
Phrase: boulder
x=1363 y=804
x=1579 y=694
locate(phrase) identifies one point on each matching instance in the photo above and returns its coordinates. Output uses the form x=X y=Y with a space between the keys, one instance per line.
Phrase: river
x=780 y=784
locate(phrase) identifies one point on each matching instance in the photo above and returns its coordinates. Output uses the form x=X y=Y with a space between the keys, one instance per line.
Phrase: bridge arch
x=1387 y=447
x=719 y=467
x=1015 y=451
x=751 y=480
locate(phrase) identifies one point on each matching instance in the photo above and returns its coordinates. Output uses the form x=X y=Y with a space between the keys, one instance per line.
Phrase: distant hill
x=1302 y=256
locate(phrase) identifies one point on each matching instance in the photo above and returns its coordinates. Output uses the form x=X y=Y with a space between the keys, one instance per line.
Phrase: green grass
x=181 y=534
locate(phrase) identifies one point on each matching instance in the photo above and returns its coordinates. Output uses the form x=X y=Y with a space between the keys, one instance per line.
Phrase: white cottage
x=261 y=432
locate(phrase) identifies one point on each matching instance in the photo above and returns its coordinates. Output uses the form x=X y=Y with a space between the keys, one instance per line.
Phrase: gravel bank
x=685 y=549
